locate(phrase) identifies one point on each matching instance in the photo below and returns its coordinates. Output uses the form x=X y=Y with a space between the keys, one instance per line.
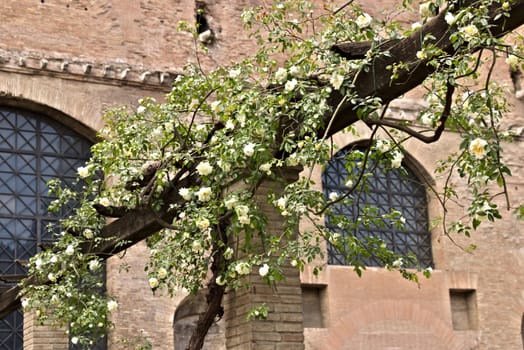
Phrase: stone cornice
x=109 y=73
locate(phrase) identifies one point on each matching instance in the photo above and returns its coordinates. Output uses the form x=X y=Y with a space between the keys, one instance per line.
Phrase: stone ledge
x=110 y=73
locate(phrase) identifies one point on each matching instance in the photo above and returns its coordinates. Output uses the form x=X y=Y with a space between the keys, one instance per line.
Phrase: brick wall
x=100 y=39
x=283 y=329
x=43 y=337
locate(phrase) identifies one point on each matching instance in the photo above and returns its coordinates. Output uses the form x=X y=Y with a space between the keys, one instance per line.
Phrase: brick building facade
x=70 y=60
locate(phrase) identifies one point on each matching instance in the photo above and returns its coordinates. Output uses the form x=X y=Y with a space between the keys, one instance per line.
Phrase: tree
x=186 y=173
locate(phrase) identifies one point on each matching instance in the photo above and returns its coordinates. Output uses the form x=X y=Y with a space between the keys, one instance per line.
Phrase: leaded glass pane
x=33 y=150
x=386 y=189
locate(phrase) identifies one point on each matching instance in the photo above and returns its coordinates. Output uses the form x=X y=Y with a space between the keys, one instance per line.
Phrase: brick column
x=43 y=337
x=283 y=330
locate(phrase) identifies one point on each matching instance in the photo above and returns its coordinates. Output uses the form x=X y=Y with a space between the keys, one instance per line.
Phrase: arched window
x=398 y=189
x=33 y=150
x=185 y=320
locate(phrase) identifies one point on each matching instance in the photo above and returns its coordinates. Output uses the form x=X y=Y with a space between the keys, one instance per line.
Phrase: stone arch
x=51 y=112
x=186 y=316
x=394 y=324
x=80 y=100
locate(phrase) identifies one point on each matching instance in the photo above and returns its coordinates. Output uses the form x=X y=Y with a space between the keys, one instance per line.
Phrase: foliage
x=202 y=156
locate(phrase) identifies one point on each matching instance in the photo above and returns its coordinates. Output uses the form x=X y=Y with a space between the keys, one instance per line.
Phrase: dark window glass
x=33 y=150
x=385 y=189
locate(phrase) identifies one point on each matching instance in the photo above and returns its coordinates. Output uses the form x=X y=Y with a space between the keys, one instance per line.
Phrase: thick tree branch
x=377 y=82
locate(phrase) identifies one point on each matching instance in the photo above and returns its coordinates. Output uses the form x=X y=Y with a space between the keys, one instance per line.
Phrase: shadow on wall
x=186 y=317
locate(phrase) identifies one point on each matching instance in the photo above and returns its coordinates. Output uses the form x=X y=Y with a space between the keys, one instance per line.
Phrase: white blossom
x=244 y=220
x=383 y=146
x=112 y=305
x=396 y=161
x=333 y=196
x=469 y=31
x=88 y=234
x=333 y=239
x=157 y=132
x=291 y=85
x=185 y=193
x=295 y=71
x=162 y=273
x=228 y=254
x=220 y=281
x=281 y=75
x=204 y=194
x=104 y=201
x=241 y=119
x=215 y=106
x=263 y=270
x=294 y=263
x=363 y=20
x=230 y=202
x=25 y=302
x=249 y=149
x=202 y=127
x=243 y=268
x=38 y=263
x=421 y=55
x=266 y=168
x=426 y=119
x=336 y=80
x=94 y=265
x=242 y=210
x=153 y=282
x=450 y=18
x=230 y=124
x=83 y=171
x=70 y=250
x=204 y=168
x=202 y=224
x=416 y=25
x=424 y=10
x=74 y=340
x=168 y=126
x=398 y=263
x=196 y=246
x=140 y=109
x=234 y=73
x=281 y=203
x=513 y=61
x=432 y=98
x=51 y=276
x=477 y=148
